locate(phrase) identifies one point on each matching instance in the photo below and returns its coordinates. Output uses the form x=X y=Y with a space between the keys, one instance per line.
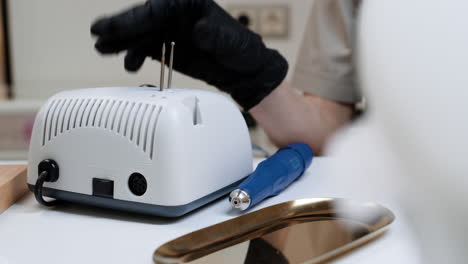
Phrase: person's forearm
x=288 y=116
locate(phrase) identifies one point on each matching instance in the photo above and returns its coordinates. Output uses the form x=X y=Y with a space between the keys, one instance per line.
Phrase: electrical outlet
x=270 y=21
x=245 y=14
x=273 y=21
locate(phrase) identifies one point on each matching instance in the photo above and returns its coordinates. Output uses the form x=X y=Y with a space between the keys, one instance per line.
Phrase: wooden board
x=12 y=184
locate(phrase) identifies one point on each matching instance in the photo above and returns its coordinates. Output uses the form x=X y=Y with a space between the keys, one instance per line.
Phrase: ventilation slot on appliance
x=53 y=119
x=141 y=120
x=102 y=115
x=46 y=130
x=197 y=118
x=73 y=121
x=88 y=113
x=192 y=104
x=59 y=117
x=124 y=119
x=146 y=126
x=81 y=113
x=117 y=119
x=65 y=126
x=151 y=131
x=95 y=112
x=132 y=122
x=109 y=113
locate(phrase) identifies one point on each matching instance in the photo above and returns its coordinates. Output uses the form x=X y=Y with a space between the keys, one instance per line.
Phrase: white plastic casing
x=187 y=143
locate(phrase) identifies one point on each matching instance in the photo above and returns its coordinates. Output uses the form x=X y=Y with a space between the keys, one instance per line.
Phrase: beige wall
x=52 y=48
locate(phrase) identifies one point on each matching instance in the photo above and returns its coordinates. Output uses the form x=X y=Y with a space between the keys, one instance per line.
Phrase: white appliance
x=140 y=149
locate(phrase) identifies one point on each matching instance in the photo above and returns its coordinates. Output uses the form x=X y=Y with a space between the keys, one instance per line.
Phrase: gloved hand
x=210 y=46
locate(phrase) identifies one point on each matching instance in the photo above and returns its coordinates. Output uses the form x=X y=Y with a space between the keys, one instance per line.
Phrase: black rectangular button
x=103 y=188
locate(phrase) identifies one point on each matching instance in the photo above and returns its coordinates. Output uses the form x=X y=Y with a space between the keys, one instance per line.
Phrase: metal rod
x=171 y=60
x=163 y=66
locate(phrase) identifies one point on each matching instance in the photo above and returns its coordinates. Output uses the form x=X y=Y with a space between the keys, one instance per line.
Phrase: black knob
x=137 y=184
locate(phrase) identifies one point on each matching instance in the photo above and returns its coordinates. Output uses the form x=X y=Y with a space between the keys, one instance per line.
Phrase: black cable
x=257 y=148
x=38 y=190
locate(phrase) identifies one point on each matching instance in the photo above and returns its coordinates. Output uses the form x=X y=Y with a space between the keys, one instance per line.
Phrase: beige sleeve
x=325 y=63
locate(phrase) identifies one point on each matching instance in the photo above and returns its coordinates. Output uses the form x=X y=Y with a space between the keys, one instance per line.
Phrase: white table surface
x=30 y=233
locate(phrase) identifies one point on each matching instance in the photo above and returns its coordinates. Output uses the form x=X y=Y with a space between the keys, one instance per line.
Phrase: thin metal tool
x=163 y=66
x=171 y=60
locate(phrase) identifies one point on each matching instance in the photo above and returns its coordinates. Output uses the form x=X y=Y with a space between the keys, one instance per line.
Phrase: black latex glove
x=210 y=46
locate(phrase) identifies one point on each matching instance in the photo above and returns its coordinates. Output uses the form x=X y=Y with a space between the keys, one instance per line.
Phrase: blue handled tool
x=272 y=175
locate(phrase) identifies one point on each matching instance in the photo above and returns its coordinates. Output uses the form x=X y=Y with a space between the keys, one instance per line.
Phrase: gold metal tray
x=300 y=231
